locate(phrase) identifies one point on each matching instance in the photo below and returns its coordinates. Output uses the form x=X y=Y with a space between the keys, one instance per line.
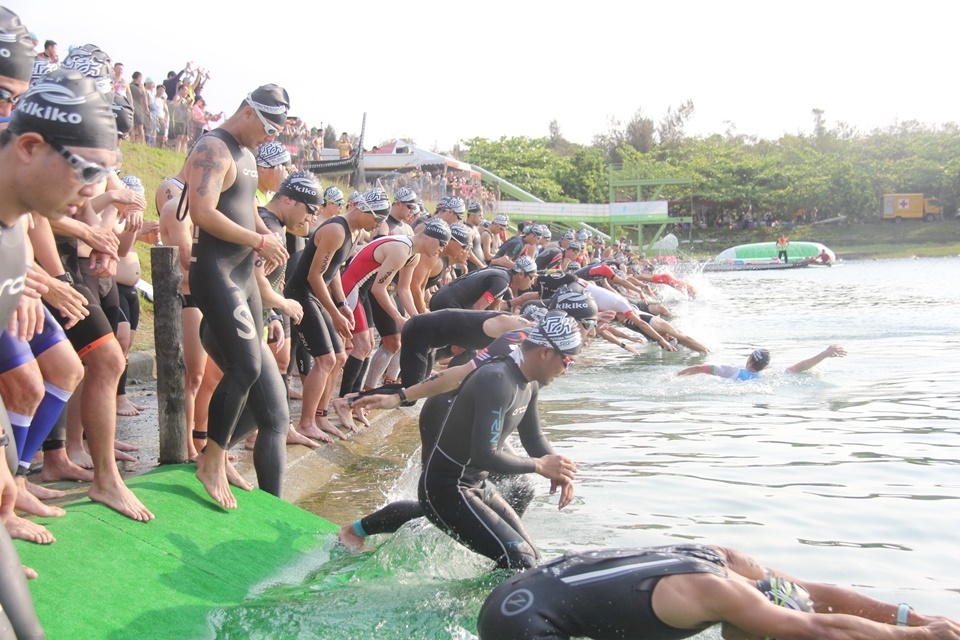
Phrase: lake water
x=848 y=474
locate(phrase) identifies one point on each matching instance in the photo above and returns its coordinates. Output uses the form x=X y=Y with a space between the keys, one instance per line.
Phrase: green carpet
x=110 y=577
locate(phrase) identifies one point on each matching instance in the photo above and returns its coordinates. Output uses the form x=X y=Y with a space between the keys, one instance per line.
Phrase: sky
x=440 y=72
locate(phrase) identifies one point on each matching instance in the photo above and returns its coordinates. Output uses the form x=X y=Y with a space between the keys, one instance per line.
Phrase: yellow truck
x=910 y=206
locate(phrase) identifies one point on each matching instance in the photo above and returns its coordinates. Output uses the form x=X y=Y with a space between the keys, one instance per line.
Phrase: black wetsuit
x=549 y=258
x=16 y=605
x=511 y=248
x=595 y=272
x=224 y=285
x=602 y=595
x=316 y=329
x=548 y=283
x=454 y=492
x=492 y=283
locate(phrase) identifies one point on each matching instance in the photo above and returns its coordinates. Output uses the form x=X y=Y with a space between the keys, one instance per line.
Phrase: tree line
x=838 y=169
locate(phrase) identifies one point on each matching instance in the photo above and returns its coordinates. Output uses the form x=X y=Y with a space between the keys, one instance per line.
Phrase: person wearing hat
x=475 y=259
x=333 y=202
x=680 y=590
x=370 y=274
x=757 y=361
x=453 y=490
x=273 y=166
x=492 y=236
x=221 y=180
x=524 y=243
x=327 y=320
x=485 y=288
x=403 y=213
x=430 y=274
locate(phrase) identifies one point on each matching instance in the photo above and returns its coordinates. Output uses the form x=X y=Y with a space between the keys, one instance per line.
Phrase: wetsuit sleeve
x=493 y=392
x=531 y=437
x=602 y=270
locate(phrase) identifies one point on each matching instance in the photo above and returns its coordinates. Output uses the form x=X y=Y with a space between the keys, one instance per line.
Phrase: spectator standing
x=180 y=119
x=172 y=83
x=141 y=109
x=344 y=145
x=161 y=113
x=119 y=83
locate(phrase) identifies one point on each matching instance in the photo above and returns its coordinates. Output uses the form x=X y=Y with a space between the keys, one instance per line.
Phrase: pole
x=168 y=337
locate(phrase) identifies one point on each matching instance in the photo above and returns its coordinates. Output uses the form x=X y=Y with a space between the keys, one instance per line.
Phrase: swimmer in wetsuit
x=221 y=181
x=757 y=361
x=496 y=400
x=673 y=592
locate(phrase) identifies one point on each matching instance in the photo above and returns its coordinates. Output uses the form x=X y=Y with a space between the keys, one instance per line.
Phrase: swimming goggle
x=567 y=360
x=269 y=128
x=8 y=96
x=88 y=172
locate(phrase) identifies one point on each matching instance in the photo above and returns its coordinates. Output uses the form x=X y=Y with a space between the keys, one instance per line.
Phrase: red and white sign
x=903 y=204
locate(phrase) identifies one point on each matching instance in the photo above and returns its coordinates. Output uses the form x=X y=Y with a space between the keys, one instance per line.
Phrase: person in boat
x=823 y=259
x=782 y=244
x=757 y=361
x=678 y=591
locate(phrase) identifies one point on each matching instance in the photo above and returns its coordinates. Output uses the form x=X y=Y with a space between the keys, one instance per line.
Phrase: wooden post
x=168 y=338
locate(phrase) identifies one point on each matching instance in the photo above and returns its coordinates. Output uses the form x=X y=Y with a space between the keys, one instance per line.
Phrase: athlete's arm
x=404 y=288
x=176 y=233
x=209 y=169
x=437 y=383
x=696 y=369
x=273 y=300
x=393 y=261
x=491 y=392
x=328 y=240
x=98 y=239
x=418 y=283
x=833 y=351
x=486 y=240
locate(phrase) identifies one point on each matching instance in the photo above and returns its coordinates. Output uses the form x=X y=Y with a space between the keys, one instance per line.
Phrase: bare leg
x=212 y=473
x=75 y=449
x=104 y=366
x=211 y=378
x=313 y=387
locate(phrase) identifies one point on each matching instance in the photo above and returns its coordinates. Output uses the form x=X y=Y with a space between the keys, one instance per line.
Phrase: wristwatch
x=65 y=277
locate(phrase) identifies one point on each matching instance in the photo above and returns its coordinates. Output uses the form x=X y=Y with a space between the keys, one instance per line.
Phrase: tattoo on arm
x=385 y=277
x=209 y=159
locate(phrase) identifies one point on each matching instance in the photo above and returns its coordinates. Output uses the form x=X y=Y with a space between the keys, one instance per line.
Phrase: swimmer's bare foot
x=212 y=474
x=57 y=466
x=342 y=407
x=311 y=430
x=28 y=502
x=361 y=415
x=295 y=395
x=125 y=407
x=349 y=538
x=80 y=457
x=250 y=442
x=325 y=425
x=295 y=437
x=111 y=492
x=43 y=493
x=119 y=445
x=23 y=529
x=237 y=480
x=29 y=573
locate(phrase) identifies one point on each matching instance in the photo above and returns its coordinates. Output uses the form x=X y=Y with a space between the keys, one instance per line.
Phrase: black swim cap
x=760 y=358
x=123 y=112
x=302 y=187
x=65 y=107
x=93 y=62
x=437 y=229
x=460 y=233
x=580 y=305
x=272 y=102
x=16 y=47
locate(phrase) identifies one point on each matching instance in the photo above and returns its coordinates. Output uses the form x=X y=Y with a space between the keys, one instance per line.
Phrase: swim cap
x=301 y=186
x=535 y=229
x=576 y=246
x=568 y=235
x=133 y=183
x=122 y=113
x=374 y=201
x=405 y=195
x=460 y=233
x=577 y=304
x=583 y=235
x=760 y=358
x=786 y=594
x=485 y=224
x=65 y=107
x=271 y=154
x=456 y=205
x=333 y=194
x=502 y=219
x=16 y=48
x=475 y=209
x=525 y=265
x=354 y=199
x=437 y=229
x=533 y=310
x=443 y=204
x=272 y=102
x=545 y=232
x=559 y=331
x=93 y=62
